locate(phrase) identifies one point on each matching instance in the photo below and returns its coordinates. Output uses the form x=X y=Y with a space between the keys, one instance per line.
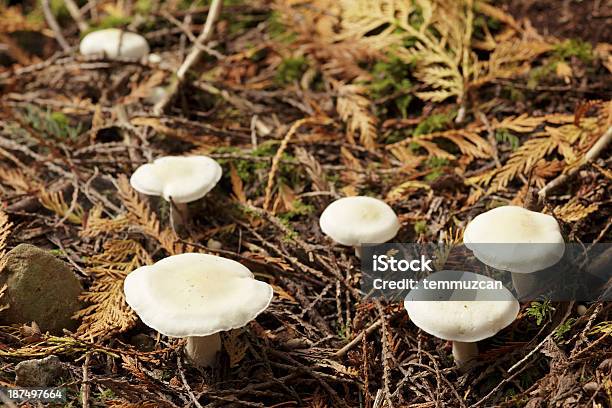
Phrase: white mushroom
x=517 y=240
x=464 y=322
x=359 y=220
x=114 y=43
x=177 y=179
x=196 y=296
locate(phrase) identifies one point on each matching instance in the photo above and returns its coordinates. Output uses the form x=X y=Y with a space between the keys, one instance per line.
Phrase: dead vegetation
x=442 y=110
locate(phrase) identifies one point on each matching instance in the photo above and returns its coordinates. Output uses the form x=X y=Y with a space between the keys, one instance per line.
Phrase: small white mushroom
x=517 y=240
x=353 y=221
x=464 y=322
x=179 y=180
x=196 y=296
x=114 y=43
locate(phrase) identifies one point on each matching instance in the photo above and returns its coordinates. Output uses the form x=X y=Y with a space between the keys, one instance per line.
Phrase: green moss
x=113 y=22
x=562 y=52
x=104 y=395
x=299 y=208
x=58 y=8
x=540 y=311
x=53 y=124
x=503 y=135
x=390 y=77
x=420 y=227
x=574 y=48
x=563 y=329
x=143 y=6
x=435 y=122
x=290 y=70
x=278 y=31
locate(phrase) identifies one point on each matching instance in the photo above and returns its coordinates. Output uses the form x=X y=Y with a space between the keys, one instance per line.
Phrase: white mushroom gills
x=357 y=220
x=114 y=43
x=464 y=322
x=179 y=180
x=196 y=296
x=517 y=240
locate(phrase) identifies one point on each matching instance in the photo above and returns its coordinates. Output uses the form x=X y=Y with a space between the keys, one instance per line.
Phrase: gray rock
x=41 y=288
x=39 y=373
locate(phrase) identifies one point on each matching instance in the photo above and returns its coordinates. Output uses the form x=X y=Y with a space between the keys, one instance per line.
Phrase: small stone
x=39 y=373
x=214 y=245
x=590 y=386
x=154 y=58
x=581 y=309
x=114 y=43
x=156 y=94
x=40 y=288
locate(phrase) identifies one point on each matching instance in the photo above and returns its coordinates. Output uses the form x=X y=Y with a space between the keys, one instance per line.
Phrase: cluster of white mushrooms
x=507 y=238
x=191 y=295
x=197 y=296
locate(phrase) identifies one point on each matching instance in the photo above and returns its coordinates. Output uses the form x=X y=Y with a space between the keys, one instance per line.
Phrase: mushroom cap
x=515 y=239
x=195 y=295
x=358 y=220
x=463 y=320
x=184 y=179
x=114 y=43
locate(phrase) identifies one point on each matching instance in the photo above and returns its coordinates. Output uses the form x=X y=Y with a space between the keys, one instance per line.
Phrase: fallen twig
x=590 y=156
x=54 y=25
x=192 y=57
x=342 y=352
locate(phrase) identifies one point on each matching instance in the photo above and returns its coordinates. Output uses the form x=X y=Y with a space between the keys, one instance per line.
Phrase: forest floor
x=442 y=109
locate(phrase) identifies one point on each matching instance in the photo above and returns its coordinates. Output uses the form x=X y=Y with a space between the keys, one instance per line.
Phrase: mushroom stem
x=179 y=214
x=525 y=285
x=358 y=251
x=202 y=351
x=464 y=352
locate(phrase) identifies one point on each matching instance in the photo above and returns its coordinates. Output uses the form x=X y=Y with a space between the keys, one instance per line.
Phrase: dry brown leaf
x=237 y=185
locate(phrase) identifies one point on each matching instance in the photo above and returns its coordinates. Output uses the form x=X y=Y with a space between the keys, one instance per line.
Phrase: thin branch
x=192 y=57
x=57 y=30
x=75 y=13
x=593 y=153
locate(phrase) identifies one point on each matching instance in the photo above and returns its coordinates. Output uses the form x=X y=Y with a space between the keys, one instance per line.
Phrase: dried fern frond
x=574 y=210
x=5 y=230
x=522 y=161
x=12 y=19
x=2 y=290
x=97 y=224
x=17 y=180
x=443 y=41
x=354 y=109
x=469 y=142
x=442 y=52
x=140 y=214
x=109 y=313
x=54 y=345
x=405 y=189
x=54 y=201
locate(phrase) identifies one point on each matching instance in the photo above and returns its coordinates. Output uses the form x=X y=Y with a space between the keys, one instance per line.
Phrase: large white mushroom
x=353 y=221
x=464 y=322
x=114 y=43
x=517 y=240
x=196 y=296
x=179 y=180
